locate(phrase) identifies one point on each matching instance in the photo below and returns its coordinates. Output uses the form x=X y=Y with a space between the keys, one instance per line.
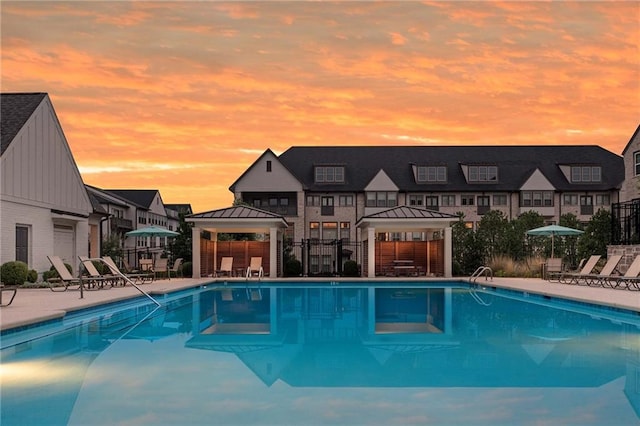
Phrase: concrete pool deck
x=35 y=305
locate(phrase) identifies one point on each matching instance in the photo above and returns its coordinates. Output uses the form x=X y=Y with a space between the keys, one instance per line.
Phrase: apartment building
x=324 y=191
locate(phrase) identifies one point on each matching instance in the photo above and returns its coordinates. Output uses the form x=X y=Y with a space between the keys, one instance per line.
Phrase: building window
x=268 y=166
x=431 y=202
x=570 y=199
x=345 y=231
x=416 y=200
x=636 y=161
x=314 y=230
x=313 y=200
x=22 y=244
x=327 y=206
x=586 y=205
x=431 y=174
x=536 y=199
x=483 y=204
x=329 y=230
x=603 y=200
x=382 y=199
x=467 y=200
x=345 y=200
x=448 y=200
x=499 y=200
x=329 y=174
x=483 y=173
x=586 y=174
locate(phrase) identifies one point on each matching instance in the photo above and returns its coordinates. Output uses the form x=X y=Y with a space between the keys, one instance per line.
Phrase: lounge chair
x=226 y=267
x=161 y=267
x=630 y=279
x=177 y=267
x=574 y=277
x=8 y=288
x=65 y=276
x=137 y=278
x=255 y=267
x=553 y=268
x=601 y=277
x=96 y=280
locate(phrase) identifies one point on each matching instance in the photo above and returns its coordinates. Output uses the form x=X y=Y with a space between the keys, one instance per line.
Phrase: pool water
x=294 y=354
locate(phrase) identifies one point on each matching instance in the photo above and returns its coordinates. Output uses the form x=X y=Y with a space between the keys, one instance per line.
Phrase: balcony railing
x=121 y=223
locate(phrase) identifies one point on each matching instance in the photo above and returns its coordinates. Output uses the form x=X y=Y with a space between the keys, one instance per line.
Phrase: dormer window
x=430 y=174
x=329 y=174
x=586 y=174
x=483 y=174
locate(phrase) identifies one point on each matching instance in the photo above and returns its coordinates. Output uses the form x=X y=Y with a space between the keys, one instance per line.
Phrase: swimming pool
x=292 y=354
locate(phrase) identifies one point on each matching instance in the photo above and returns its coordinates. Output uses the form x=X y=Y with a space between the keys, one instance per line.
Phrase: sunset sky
x=184 y=96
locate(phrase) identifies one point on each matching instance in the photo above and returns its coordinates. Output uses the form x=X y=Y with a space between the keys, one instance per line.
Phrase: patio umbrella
x=552 y=231
x=152 y=231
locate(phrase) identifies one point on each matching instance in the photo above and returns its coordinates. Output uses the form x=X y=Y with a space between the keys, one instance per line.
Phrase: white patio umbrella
x=552 y=231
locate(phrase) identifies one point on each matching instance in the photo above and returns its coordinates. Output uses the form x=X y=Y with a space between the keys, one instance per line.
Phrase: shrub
x=350 y=268
x=14 y=273
x=293 y=268
x=187 y=269
x=32 y=276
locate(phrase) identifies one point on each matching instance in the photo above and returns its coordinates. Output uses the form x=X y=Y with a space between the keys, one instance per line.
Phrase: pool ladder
x=482 y=270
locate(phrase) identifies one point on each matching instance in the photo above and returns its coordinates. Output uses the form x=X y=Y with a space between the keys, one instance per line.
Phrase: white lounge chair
x=226 y=267
x=255 y=268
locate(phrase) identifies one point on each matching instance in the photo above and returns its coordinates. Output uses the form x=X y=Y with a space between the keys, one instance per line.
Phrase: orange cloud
x=164 y=95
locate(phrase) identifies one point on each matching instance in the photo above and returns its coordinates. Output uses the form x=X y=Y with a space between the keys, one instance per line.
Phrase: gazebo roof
x=239 y=218
x=405 y=216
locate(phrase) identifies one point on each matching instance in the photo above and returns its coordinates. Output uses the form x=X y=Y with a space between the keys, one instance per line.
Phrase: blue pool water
x=296 y=354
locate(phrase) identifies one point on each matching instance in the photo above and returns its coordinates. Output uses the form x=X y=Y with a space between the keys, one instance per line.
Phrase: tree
x=181 y=245
x=492 y=233
x=521 y=246
x=597 y=235
x=568 y=246
x=112 y=246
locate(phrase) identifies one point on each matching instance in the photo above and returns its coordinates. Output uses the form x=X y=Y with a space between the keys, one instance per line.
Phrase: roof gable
x=537 y=181
x=381 y=182
x=15 y=110
x=57 y=184
x=267 y=173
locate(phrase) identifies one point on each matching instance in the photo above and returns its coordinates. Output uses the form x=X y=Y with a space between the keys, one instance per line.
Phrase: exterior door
x=64 y=243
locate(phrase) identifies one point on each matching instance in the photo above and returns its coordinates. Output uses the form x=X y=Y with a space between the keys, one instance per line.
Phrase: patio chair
x=574 y=277
x=137 y=277
x=553 y=268
x=630 y=279
x=96 y=280
x=161 y=267
x=65 y=276
x=177 y=267
x=255 y=268
x=226 y=267
x=601 y=277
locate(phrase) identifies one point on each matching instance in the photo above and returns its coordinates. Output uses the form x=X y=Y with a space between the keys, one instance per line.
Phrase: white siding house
x=44 y=207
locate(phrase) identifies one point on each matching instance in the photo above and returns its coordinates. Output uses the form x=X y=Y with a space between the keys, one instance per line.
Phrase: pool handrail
x=127 y=279
x=479 y=272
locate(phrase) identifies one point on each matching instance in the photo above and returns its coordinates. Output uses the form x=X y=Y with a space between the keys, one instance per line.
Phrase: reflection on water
x=429 y=338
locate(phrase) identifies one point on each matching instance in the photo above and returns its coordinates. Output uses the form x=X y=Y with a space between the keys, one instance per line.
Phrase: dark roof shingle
x=15 y=110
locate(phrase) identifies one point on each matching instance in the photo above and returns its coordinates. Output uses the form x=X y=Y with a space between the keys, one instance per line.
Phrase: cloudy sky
x=184 y=96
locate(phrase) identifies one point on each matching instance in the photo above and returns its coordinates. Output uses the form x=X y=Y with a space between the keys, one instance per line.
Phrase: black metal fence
x=323 y=257
x=625 y=222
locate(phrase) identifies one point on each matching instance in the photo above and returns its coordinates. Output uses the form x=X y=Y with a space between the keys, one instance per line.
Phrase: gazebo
x=435 y=253
x=238 y=219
